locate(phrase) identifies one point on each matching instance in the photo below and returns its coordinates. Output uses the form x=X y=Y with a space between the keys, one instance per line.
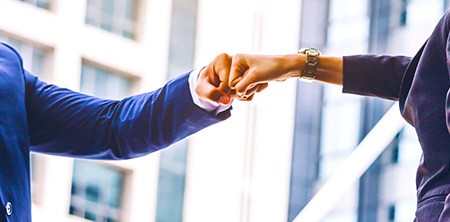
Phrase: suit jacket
x=421 y=84
x=35 y=116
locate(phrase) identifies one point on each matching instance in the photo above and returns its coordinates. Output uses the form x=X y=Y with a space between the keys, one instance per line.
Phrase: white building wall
x=238 y=170
x=63 y=29
x=245 y=176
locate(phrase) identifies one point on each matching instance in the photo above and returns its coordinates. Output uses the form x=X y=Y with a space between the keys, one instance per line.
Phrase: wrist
x=330 y=70
x=311 y=63
x=293 y=64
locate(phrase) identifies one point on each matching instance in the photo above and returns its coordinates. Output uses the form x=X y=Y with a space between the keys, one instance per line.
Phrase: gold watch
x=312 y=58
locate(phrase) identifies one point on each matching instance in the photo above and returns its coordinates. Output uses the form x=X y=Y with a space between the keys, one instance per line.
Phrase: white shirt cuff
x=208 y=106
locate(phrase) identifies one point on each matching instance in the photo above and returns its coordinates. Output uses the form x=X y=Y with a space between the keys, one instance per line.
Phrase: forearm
x=373 y=75
x=329 y=69
x=68 y=123
x=379 y=76
x=248 y=70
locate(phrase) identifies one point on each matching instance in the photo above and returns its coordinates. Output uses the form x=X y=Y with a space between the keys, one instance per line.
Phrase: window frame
x=120 y=23
x=125 y=195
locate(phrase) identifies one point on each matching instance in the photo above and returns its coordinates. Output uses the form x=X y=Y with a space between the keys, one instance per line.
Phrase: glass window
x=395 y=149
x=96 y=191
x=35 y=58
x=45 y=4
x=104 y=84
x=117 y=16
x=416 y=8
x=342 y=216
x=409 y=150
x=403 y=12
x=402 y=211
x=340 y=129
x=173 y=161
x=37 y=162
x=171 y=183
x=391 y=213
x=348 y=22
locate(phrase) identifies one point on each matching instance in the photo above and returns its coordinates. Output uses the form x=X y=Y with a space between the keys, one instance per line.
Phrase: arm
x=68 y=123
x=366 y=75
x=371 y=75
x=247 y=69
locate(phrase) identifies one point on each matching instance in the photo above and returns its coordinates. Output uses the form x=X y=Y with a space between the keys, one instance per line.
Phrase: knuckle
x=223 y=56
x=238 y=56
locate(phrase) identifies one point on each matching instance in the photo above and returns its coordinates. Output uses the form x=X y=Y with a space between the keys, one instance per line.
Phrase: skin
x=212 y=83
x=248 y=70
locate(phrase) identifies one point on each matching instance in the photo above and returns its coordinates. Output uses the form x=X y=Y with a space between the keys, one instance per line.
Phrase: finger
x=246 y=83
x=257 y=88
x=235 y=81
x=222 y=66
x=253 y=88
x=232 y=93
x=205 y=90
x=262 y=87
x=250 y=98
x=209 y=75
x=238 y=67
x=246 y=99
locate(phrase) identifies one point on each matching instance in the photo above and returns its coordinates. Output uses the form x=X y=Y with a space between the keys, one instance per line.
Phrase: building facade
x=336 y=123
x=269 y=159
x=117 y=48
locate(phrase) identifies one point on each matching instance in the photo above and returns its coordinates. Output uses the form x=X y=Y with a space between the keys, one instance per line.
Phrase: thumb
x=239 y=66
x=207 y=91
x=245 y=83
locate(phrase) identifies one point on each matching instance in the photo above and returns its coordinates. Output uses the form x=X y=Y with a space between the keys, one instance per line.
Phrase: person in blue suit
x=36 y=116
x=421 y=85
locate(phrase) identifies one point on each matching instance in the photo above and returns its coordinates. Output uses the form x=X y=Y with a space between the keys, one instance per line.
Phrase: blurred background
x=269 y=159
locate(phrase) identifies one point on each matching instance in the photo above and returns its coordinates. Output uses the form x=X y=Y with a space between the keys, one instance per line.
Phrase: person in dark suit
x=35 y=116
x=420 y=84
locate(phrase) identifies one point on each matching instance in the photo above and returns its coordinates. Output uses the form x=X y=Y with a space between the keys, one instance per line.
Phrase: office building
x=117 y=48
x=264 y=163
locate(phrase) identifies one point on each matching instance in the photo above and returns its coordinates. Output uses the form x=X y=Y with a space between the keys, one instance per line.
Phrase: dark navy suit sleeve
x=371 y=75
x=67 y=123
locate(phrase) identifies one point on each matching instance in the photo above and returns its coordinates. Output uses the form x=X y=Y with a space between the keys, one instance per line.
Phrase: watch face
x=314 y=54
x=303 y=50
x=309 y=50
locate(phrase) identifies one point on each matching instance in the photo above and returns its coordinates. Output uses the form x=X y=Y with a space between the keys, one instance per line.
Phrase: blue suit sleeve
x=372 y=75
x=67 y=123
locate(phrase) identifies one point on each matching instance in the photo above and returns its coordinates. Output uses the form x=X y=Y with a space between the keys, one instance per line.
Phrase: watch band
x=312 y=58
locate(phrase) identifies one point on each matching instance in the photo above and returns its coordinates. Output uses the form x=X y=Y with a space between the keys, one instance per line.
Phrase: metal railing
x=353 y=167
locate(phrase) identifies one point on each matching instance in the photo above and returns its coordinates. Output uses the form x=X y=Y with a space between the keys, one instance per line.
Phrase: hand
x=248 y=71
x=212 y=83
